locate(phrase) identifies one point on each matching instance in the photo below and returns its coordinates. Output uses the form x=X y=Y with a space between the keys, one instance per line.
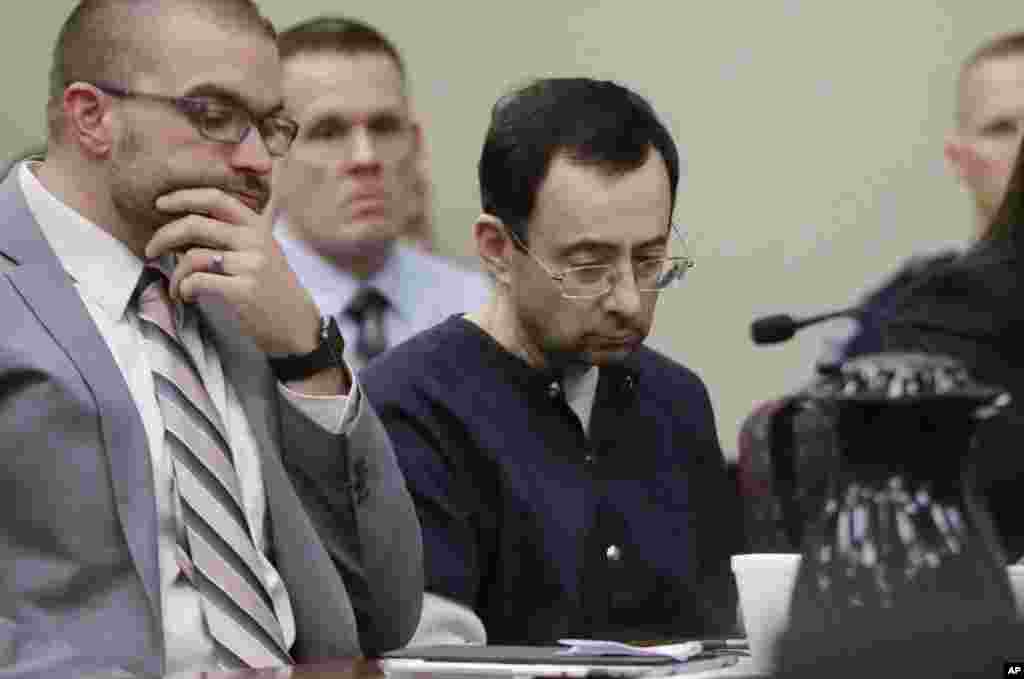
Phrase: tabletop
x=357 y=668
x=347 y=668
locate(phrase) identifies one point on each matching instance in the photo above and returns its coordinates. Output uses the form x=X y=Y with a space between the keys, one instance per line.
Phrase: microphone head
x=773 y=329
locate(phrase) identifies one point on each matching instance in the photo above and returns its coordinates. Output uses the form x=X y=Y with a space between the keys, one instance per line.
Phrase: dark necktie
x=241 y=593
x=367 y=309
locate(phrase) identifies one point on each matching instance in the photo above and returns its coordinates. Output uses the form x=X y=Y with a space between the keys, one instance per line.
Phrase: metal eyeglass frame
x=680 y=265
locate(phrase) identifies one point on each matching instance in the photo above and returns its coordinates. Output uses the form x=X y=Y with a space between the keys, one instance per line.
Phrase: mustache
x=254 y=187
x=250 y=185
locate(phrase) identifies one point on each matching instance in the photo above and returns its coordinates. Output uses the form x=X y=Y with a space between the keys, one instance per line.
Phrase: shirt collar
x=580 y=384
x=575 y=384
x=105 y=270
x=333 y=288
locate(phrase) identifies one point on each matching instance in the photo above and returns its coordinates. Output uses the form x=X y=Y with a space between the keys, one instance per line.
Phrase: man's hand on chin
x=228 y=252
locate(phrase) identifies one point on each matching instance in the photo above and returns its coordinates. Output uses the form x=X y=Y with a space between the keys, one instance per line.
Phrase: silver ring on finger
x=217 y=265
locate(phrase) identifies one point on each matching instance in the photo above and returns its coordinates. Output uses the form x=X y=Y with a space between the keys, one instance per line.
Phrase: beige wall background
x=812 y=132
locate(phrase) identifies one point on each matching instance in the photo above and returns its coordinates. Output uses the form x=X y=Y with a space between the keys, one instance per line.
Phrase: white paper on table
x=681 y=652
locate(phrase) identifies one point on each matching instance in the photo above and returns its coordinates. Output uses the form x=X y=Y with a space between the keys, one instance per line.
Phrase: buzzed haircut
x=99 y=41
x=337 y=34
x=999 y=47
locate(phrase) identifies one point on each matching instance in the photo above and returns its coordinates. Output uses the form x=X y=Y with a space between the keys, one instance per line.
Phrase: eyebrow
x=589 y=244
x=328 y=117
x=331 y=114
x=214 y=91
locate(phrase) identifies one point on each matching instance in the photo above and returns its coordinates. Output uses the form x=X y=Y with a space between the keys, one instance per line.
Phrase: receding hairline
x=338 y=35
x=111 y=39
x=1003 y=46
x=299 y=42
x=128 y=24
x=242 y=15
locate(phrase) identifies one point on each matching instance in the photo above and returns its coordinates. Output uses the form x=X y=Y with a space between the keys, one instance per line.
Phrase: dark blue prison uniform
x=542 y=532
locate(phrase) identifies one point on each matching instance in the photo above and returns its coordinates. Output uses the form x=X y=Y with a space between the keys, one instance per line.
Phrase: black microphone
x=780 y=327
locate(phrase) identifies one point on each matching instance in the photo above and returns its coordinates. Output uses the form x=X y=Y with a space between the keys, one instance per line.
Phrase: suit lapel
x=324 y=618
x=46 y=288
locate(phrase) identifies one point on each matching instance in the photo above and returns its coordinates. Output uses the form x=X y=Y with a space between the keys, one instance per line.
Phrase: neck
x=982 y=222
x=78 y=185
x=499 y=320
x=360 y=261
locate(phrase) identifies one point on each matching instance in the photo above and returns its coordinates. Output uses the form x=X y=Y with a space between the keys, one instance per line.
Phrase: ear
x=957 y=153
x=417 y=140
x=88 y=118
x=493 y=245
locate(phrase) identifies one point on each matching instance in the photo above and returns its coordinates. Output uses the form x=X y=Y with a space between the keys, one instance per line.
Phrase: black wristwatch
x=327 y=355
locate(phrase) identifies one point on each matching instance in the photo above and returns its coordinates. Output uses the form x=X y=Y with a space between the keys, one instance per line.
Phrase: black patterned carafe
x=893 y=534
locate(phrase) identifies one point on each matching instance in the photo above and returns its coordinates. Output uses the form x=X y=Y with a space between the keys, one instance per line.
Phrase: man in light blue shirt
x=348 y=187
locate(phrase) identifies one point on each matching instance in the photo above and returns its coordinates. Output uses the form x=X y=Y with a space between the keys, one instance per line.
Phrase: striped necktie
x=243 y=598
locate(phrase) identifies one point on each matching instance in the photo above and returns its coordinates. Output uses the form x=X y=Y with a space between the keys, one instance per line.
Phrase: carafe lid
x=904 y=378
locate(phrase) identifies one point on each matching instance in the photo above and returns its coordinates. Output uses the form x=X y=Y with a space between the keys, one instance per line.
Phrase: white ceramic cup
x=765 y=585
x=1016 y=572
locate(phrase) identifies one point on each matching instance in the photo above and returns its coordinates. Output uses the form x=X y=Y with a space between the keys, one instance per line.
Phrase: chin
x=370 y=229
x=600 y=357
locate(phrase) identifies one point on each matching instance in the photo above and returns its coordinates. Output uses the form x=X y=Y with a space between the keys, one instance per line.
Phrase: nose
x=251 y=153
x=624 y=297
x=363 y=149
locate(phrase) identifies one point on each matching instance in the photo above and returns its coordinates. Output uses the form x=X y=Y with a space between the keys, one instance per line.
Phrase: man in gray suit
x=190 y=476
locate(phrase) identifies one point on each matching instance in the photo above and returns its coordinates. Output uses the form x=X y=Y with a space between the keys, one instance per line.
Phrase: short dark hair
x=339 y=34
x=592 y=122
x=999 y=47
x=99 y=40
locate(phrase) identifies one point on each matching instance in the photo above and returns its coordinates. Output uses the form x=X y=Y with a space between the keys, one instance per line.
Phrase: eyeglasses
x=220 y=121
x=587 y=282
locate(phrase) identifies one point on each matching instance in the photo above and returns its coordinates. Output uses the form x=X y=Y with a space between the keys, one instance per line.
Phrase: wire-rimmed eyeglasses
x=220 y=121
x=653 y=274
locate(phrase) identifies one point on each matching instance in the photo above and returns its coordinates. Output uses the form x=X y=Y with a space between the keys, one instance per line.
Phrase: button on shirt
x=521 y=527
x=422 y=290
x=105 y=273
x=452 y=622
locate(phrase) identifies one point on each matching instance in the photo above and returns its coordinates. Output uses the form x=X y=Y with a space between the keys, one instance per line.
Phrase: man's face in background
x=991 y=120
x=346 y=184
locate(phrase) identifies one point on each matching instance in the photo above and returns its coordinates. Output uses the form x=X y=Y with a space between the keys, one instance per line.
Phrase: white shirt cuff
x=444 y=621
x=335 y=414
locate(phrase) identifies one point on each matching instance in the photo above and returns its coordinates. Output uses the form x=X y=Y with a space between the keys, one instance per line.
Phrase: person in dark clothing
x=973 y=310
x=569 y=480
x=980 y=149
x=873 y=306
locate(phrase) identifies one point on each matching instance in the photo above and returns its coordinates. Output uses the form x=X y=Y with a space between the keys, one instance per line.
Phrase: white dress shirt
x=580 y=388
x=422 y=289
x=105 y=273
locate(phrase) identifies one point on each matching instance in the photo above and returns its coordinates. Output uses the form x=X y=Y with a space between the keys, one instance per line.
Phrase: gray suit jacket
x=79 y=581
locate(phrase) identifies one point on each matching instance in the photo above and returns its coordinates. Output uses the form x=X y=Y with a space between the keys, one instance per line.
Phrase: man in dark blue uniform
x=569 y=480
